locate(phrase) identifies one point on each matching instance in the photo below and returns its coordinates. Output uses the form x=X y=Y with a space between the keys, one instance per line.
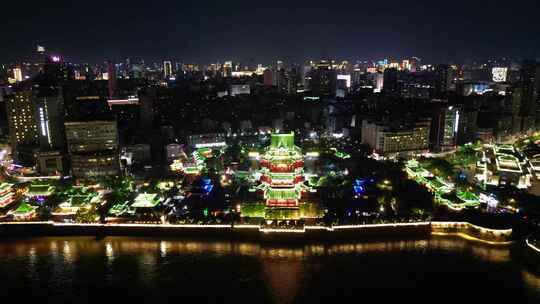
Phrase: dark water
x=135 y=270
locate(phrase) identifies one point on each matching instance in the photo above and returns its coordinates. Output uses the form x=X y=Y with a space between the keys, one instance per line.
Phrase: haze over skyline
x=253 y=32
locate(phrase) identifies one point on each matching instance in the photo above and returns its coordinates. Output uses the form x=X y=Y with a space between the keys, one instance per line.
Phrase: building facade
x=385 y=139
x=93 y=148
x=281 y=168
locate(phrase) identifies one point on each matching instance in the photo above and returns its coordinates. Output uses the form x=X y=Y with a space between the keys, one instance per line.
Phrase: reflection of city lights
x=109 y=252
x=163 y=248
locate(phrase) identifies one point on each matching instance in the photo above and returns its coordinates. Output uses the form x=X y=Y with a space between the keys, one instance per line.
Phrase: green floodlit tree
x=253 y=209
x=438 y=166
x=465 y=156
x=310 y=210
x=87 y=216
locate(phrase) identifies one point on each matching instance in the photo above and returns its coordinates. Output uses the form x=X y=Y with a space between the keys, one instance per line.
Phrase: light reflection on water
x=282 y=266
x=114 y=246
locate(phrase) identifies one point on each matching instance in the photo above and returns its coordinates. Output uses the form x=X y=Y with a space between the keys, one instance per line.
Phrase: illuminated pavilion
x=282 y=167
x=6 y=194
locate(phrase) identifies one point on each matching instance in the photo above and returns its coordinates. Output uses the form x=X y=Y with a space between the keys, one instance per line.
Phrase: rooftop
x=40 y=190
x=24 y=208
x=146 y=200
x=282 y=141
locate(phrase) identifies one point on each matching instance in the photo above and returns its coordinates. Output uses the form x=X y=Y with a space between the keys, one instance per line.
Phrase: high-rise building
x=268 y=77
x=17 y=74
x=57 y=70
x=22 y=125
x=111 y=77
x=35 y=113
x=385 y=138
x=92 y=147
x=444 y=75
x=390 y=82
x=227 y=69
x=167 y=69
x=49 y=106
x=530 y=86
x=445 y=127
x=322 y=78
x=499 y=74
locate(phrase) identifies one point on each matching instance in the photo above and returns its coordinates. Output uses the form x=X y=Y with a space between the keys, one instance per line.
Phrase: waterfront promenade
x=256 y=232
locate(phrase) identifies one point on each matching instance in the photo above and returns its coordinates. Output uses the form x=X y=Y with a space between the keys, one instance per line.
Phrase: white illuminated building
x=500 y=74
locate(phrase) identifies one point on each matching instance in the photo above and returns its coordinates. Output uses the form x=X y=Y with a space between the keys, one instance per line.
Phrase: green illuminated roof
x=282 y=141
x=24 y=208
x=436 y=183
x=467 y=196
x=119 y=209
x=146 y=200
x=192 y=170
x=40 y=190
x=77 y=200
x=340 y=154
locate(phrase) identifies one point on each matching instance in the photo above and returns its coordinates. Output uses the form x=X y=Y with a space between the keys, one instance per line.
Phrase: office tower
x=92 y=147
x=443 y=79
x=445 y=127
x=167 y=69
x=322 y=78
x=36 y=116
x=268 y=77
x=58 y=70
x=386 y=138
x=517 y=96
x=467 y=126
x=22 y=125
x=49 y=105
x=390 y=82
x=112 y=81
x=17 y=74
x=227 y=69
x=529 y=85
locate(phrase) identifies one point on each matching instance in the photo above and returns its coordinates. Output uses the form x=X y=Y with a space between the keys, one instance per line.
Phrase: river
x=154 y=270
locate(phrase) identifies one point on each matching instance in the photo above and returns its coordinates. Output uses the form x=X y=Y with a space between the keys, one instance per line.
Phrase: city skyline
x=241 y=31
x=269 y=151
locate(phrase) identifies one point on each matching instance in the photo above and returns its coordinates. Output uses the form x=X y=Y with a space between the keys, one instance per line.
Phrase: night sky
x=263 y=30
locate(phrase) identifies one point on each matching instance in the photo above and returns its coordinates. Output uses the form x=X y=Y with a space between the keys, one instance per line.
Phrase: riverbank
x=165 y=268
x=255 y=232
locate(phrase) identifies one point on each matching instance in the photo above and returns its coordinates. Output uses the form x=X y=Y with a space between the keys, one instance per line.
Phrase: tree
x=86 y=216
x=414 y=199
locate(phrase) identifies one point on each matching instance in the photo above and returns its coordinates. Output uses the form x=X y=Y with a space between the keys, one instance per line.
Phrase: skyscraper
x=167 y=69
x=49 y=105
x=268 y=77
x=390 y=82
x=113 y=85
x=35 y=112
x=322 y=78
x=530 y=85
x=17 y=74
x=22 y=125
